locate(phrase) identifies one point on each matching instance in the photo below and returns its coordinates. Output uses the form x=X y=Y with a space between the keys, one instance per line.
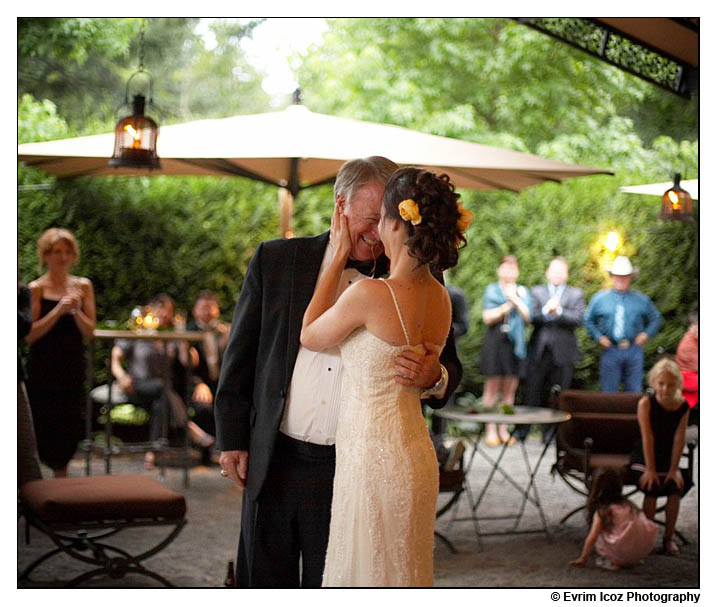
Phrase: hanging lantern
x=677 y=203
x=136 y=135
x=136 y=139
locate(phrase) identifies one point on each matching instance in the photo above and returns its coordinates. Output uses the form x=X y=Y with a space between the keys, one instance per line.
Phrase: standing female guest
x=506 y=312
x=63 y=311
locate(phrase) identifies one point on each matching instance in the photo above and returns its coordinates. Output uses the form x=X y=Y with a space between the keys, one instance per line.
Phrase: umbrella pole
x=286 y=206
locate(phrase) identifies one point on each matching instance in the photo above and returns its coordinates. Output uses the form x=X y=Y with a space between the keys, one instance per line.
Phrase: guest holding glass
x=63 y=312
x=506 y=312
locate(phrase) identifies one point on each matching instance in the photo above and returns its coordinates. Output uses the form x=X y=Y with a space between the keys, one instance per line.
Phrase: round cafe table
x=529 y=492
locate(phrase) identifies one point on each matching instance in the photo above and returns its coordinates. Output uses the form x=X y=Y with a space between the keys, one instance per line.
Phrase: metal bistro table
x=162 y=444
x=522 y=415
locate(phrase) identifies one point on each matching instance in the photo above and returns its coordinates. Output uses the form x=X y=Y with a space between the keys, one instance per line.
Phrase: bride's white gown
x=387 y=476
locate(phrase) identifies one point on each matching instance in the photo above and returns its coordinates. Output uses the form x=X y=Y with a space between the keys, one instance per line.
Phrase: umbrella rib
x=542 y=177
x=224 y=165
x=482 y=180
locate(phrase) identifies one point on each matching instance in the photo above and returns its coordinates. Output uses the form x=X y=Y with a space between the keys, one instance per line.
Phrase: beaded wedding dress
x=387 y=477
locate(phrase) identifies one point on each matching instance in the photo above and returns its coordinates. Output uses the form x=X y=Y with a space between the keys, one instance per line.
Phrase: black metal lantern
x=136 y=139
x=136 y=135
x=677 y=203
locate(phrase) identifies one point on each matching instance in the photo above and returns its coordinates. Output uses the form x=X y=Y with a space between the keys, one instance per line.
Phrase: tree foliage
x=75 y=39
x=466 y=78
x=83 y=66
x=38 y=121
x=74 y=63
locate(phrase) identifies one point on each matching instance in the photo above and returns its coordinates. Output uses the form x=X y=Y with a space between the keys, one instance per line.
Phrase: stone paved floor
x=198 y=557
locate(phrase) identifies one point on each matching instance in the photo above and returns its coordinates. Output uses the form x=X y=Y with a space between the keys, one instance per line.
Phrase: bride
x=387 y=477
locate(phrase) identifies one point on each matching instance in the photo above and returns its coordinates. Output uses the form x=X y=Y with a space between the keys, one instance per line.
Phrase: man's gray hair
x=357 y=173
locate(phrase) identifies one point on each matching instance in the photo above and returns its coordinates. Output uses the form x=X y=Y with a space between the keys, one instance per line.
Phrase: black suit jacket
x=558 y=333
x=263 y=344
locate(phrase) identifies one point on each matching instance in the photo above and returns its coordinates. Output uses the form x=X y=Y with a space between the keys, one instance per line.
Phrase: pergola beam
x=626 y=51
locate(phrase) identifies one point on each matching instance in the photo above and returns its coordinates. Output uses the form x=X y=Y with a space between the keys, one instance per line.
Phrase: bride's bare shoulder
x=365 y=292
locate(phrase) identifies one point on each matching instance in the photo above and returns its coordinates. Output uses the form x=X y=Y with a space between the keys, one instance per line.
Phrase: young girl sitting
x=620 y=532
x=662 y=417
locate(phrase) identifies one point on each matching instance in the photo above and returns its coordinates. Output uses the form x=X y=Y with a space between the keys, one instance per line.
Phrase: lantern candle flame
x=133 y=132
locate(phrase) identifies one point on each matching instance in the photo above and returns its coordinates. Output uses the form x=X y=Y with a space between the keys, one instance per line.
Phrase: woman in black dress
x=63 y=312
x=506 y=313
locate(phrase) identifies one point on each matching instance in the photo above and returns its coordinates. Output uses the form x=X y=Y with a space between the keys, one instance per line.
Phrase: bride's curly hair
x=437 y=238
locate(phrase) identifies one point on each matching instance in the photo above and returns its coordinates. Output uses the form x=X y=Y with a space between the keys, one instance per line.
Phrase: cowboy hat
x=621 y=266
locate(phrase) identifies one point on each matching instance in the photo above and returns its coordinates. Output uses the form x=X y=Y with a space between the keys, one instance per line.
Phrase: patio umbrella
x=658 y=189
x=296 y=149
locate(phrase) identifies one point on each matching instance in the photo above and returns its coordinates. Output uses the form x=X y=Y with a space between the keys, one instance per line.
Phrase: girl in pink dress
x=620 y=532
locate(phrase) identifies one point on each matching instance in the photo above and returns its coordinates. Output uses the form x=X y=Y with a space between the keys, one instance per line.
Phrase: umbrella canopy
x=296 y=149
x=658 y=189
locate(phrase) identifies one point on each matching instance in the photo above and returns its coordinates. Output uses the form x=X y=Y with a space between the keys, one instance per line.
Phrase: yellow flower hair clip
x=466 y=218
x=409 y=211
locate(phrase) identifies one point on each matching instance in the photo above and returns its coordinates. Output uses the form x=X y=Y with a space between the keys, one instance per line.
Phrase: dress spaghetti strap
x=398 y=311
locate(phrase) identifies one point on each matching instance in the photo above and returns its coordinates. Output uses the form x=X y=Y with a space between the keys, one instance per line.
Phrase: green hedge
x=141 y=236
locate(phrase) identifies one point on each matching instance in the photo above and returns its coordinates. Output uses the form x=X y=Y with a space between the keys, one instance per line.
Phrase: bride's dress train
x=387 y=475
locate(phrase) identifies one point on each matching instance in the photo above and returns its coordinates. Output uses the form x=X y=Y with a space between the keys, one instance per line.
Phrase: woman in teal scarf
x=506 y=312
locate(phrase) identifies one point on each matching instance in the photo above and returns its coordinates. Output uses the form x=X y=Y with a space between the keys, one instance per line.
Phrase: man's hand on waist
x=420 y=370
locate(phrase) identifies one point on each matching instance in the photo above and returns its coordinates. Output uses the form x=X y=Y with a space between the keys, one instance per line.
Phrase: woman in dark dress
x=63 y=312
x=506 y=312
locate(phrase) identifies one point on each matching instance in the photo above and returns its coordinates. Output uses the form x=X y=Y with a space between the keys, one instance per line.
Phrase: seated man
x=148 y=379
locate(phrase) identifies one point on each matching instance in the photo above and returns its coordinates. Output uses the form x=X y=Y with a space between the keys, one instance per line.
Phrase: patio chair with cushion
x=78 y=514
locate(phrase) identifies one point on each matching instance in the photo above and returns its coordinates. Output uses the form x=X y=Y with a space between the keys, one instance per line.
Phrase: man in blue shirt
x=622 y=321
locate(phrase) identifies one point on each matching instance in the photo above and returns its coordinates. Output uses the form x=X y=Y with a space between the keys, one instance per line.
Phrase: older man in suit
x=556 y=313
x=277 y=403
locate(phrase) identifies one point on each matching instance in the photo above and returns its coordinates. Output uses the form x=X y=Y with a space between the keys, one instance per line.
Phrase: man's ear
x=340 y=203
